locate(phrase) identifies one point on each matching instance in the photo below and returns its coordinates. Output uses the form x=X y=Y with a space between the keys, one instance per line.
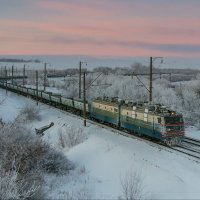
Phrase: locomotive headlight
x=173 y=113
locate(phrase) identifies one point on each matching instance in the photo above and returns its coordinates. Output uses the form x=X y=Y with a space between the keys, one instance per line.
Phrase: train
x=154 y=121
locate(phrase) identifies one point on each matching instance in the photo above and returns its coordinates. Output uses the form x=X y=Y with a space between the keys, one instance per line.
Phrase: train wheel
x=168 y=142
x=139 y=134
x=174 y=141
x=179 y=141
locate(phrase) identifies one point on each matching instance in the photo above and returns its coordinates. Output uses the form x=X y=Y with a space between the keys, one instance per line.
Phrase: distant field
x=63 y=62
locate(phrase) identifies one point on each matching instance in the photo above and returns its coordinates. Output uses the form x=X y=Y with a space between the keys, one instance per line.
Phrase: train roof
x=156 y=109
x=107 y=102
x=145 y=107
x=79 y=100
x=56 y=94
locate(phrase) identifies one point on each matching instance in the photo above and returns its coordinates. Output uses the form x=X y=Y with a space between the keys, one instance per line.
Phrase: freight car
x=70 y=104
x=155 y=121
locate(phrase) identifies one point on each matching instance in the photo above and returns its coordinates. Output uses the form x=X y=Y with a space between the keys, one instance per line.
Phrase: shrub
x=71 y=137
x=30 y=112
x=55 y=162
x=29 y=152
x=19 y=145
x=82 y=193
x=8 y=189
x=31 y=158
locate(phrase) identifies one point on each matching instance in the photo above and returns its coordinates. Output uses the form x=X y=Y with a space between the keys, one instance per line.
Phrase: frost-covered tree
x=132 y=186
x=13 y=187
x=181 y=96
x=25 y=159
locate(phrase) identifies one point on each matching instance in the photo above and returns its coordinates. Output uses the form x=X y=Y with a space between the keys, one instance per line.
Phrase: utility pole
x=12 y=73
x=6 y=82
x=16 y=72
x=80 y=71
x=45 y=72
x=79 y=94
x=84 y=100
x=150 y=84
x=37 y=86
x=4 y=71
x=24 y=75
x=151 y=76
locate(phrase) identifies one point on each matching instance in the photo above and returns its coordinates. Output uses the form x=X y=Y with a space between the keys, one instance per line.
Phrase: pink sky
x=101 y=28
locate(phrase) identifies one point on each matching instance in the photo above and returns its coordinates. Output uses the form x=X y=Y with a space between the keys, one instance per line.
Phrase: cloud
x=181 y=48
x=123 y=44
x=130 y=26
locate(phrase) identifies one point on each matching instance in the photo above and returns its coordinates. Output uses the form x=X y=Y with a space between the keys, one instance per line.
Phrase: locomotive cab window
x=173 y=120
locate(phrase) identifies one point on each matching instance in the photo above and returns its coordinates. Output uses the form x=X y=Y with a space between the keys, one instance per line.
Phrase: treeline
x=173 y=75
x=18 y=60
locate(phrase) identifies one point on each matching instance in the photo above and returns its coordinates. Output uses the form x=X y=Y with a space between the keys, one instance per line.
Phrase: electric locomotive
x=152 y=120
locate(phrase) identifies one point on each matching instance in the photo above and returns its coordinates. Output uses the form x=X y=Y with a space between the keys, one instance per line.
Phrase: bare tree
x=30 y=112
x=132 y=186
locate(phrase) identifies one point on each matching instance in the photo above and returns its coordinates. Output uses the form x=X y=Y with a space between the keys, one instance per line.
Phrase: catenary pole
x=12 y=73
x=24 y=75
x=6 y=82
x=79 y=94
x=150 y=84
x=37 y=86
x=45 y=73
x=84 y=100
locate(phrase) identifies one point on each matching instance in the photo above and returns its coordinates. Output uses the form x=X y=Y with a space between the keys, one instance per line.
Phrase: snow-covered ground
x=192 y=132
x=105 y=156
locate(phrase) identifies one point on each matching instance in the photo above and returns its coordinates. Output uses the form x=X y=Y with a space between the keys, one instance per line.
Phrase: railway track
x=192 y=141
x=187 y=150
x=189 y=146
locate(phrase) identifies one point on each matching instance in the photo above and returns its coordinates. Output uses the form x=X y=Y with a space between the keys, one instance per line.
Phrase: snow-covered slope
x=107 y=156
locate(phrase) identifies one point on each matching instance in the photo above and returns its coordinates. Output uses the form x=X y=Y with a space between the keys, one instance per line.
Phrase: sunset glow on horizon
x=100 y=28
